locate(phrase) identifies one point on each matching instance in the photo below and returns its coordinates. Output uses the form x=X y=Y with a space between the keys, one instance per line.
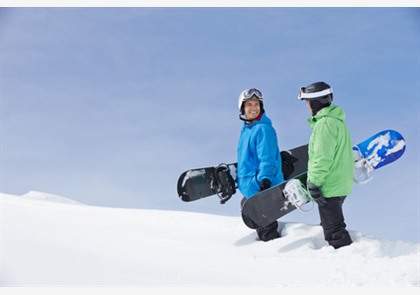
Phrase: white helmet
x=251 y=93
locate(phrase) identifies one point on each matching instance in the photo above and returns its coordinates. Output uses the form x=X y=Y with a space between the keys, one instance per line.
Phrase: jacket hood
x=331 y=111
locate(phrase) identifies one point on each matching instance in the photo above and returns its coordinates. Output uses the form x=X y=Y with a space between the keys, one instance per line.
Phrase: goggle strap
x=303 y=95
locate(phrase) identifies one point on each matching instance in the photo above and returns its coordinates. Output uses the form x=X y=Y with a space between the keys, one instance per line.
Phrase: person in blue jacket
x=259 y=160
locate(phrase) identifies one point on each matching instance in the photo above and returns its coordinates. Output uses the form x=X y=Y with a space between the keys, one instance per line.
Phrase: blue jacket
x=258 y=157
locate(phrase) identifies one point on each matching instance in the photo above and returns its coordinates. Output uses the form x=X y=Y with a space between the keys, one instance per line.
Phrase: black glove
x=265 y=184
x=316 y=194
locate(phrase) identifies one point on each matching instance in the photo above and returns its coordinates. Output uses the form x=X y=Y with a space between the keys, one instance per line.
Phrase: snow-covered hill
x=48 y=240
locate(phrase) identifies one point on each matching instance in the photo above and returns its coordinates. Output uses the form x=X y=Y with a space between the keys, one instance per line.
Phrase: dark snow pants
x=332 y=222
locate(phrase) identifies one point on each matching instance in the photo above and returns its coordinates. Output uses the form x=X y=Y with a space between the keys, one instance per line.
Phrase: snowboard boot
x=268 y=232
x=340 y=239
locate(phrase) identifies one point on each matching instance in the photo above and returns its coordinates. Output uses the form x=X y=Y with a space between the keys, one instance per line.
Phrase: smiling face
x=252 y=109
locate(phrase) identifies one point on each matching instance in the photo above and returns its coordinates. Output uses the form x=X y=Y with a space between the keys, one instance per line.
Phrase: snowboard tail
x=375 y=152
x=268 y=206
x=200 y=183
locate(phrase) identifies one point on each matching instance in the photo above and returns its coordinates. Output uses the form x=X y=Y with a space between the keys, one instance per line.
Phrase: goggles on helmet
x=251 y=92
x=303 y=96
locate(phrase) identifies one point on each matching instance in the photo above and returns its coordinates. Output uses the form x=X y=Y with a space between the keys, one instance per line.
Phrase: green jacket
x=331 y=160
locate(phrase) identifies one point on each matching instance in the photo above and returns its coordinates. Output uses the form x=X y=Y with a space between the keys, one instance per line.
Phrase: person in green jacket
x=331 y=163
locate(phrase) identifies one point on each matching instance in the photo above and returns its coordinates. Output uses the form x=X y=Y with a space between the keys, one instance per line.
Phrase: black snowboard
x=268 y=206
x=220 y=180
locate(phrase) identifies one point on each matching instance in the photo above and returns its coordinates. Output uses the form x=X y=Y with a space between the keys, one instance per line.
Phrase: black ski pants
x=332 y=222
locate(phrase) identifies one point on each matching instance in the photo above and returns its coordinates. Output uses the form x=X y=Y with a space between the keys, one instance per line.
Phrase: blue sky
x=108 y=106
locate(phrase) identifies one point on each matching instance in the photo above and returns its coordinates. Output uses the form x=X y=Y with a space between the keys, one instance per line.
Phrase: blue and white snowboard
x=375 y=152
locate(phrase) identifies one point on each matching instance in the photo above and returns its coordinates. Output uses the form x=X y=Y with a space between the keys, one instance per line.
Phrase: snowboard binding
x=363 y=170
x=224 y=182
x=296 y=193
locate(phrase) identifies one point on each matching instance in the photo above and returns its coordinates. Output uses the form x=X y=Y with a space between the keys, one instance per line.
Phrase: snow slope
x=51 y=241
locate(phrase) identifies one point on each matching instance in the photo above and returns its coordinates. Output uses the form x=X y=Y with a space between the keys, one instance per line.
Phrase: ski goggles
x=302 y=95
x=251 y=92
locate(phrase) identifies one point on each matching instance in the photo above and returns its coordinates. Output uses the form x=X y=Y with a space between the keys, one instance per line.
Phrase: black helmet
x=319 y=95
x=320 y=91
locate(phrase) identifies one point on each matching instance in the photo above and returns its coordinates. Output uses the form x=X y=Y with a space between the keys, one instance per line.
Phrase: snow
x=50 y=241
